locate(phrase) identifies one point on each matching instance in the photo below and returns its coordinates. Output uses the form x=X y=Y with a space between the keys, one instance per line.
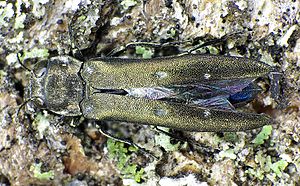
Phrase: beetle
x=189 y=92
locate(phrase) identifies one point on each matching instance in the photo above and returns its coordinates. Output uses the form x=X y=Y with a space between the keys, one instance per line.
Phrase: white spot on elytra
x=161 y=75
x=207 y=76
x=88 y=110
x=160 y=112
x=89 y=70
x=207 y=113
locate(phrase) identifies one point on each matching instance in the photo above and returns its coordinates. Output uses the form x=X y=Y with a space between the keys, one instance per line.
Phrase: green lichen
x=18 y=39
x=145 y=52
x=264 y=164
x=19 y=21
x=11 y=58
x=266 y=167
x=231 y=137
x=263 y=135
x=126 y=4
x=38 y=8
x=164 y=141
x=258 y=173
x=36 y=169
x=35 y=53
x=278 y=167
x=6 y=13
x=41 y=124
x=229 y=153
x=297 y=163
x=266 y=57
x=283 y=41
x=121 y=155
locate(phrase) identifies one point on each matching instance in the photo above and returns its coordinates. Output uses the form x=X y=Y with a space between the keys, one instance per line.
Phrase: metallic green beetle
x=188 y=92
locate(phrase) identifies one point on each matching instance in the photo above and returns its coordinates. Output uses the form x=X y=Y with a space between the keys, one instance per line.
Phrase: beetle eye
x=40 y=101
x=41 y=72
x=33 y=103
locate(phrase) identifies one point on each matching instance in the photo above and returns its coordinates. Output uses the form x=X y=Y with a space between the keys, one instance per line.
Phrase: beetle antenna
x=24 y=104
x=26 y=68
x=20 y=107
x=19 y=60
x=75 y=48
x=276 y=80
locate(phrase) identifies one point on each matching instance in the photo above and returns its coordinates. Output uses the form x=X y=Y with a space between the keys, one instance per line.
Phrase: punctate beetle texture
x=188 y=92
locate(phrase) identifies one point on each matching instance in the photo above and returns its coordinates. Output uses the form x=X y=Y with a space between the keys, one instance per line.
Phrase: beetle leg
x=117 y=51
x=212 y=42
x=224 y=38
x=275 y=79
x=202 y=147
x=103 y=131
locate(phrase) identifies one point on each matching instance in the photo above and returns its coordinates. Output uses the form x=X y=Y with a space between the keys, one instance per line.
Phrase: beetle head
x=34 y=92
x=56 y=85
